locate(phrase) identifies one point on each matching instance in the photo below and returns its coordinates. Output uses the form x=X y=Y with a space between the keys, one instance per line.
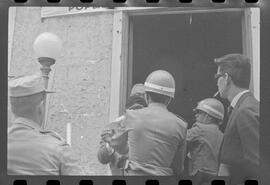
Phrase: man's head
x=27 y=94
x=209 y=110
x=160 y=87
x=233 y=72
x=137 y=98
x=29 y=106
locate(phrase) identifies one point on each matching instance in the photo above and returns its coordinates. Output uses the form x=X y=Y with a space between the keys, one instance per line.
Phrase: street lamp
x=47 y=47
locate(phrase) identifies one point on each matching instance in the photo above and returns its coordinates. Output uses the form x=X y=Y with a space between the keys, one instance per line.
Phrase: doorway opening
x=184 y=45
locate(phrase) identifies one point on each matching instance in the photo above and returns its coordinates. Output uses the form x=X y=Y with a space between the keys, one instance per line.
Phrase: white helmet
x=211 y=106
x=160 y=82
x=137 y=89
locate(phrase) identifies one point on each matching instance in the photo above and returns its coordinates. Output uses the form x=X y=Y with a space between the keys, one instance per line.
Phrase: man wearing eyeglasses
x=239 y=153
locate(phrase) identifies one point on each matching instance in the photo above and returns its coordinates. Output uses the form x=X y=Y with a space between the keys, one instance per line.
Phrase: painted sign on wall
x=59 y=11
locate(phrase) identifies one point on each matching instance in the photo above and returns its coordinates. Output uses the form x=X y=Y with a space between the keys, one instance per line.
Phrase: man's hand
x=106 y=135
x=109 y=149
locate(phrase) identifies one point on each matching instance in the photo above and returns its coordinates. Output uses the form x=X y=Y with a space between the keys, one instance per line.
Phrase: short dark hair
x=136 y=99
x=238 y=68
x=158 y=98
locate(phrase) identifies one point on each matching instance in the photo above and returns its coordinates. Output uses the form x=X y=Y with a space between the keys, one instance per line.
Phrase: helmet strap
x=148 y=99
x=168 y=102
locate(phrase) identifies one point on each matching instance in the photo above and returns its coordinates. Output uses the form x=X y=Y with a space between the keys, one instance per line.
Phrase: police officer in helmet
x=106 y=153
x=155 y=137
x=204 y=140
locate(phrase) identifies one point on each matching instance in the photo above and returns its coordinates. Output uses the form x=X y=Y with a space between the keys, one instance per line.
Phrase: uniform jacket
x=115 y=160
x=204 y=142
x=32 y=151
x=240 y=147
x=156 y=141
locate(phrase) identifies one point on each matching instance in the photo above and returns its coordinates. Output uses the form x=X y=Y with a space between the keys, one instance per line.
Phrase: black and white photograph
x=134 y=91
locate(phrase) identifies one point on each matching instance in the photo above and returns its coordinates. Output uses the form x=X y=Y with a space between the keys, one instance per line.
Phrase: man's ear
x=227 y=78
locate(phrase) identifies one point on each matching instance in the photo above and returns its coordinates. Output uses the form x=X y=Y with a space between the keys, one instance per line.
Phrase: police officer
x=106 y=154
x=32 y=150
x=204 y=140
x=155 y=137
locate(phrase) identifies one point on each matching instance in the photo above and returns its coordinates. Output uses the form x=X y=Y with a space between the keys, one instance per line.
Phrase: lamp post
x=47 y=47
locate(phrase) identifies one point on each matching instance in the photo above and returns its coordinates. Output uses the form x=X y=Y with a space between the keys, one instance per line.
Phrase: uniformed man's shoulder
x=143 y=110
x=181 y=120
x=115 y=123
x=54 y=136
x=119 y=119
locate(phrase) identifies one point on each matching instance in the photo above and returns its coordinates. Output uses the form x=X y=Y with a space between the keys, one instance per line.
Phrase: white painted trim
x=251 y=46
x=48 y=12
x=11 y=25
x=116 y=66
x=129 y=36
x=178 y=10
x=255 y=40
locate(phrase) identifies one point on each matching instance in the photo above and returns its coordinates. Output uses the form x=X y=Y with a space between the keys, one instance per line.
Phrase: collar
x=201 y=123
x=237 y=97
x=136 y=106
x=154 y=104
x=27 y=122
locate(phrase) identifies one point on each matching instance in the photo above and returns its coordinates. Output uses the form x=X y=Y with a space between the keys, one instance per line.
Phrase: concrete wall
x=81 y=75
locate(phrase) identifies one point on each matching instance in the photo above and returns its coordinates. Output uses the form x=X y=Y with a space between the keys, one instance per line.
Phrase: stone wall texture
x=81 y=75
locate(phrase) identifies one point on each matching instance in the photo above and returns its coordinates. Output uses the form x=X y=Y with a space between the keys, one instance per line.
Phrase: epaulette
x=54 y=134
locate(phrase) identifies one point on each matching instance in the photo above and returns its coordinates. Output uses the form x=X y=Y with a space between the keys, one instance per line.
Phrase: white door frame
x=121 y=62
x=251 y=46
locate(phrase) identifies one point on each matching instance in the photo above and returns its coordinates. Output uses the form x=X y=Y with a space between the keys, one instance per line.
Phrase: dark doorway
x=185 y=45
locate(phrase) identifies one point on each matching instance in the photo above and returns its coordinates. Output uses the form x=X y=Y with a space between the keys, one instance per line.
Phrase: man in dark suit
x=239 y=154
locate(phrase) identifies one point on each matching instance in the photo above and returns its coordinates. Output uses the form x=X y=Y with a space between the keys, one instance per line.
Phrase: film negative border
x=146 y=1
x=138 y=3
x=150 y=181
x=104 y=180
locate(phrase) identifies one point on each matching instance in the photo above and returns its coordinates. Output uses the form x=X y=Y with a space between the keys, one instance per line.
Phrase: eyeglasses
x=219 y=75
